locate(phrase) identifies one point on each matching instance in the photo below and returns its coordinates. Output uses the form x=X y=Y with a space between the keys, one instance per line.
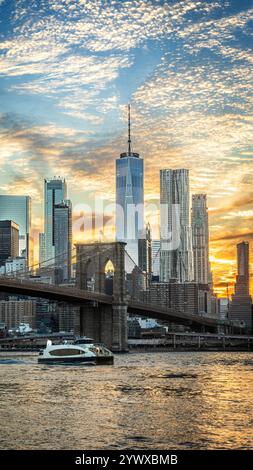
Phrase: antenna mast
x=129 y=131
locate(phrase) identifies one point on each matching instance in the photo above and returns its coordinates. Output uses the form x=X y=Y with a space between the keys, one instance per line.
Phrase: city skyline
x=64 y=104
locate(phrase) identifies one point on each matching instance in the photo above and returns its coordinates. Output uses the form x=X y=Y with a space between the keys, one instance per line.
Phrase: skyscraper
x=18 y=209
x=63 y=240
x=176 y=261
x=156 y=245
x=145 y=251
x=129 y=198
x=200 y=239
x=240 y=309
x=42 y=248
x=55 y=191
x=9 y=240
x=243 y=263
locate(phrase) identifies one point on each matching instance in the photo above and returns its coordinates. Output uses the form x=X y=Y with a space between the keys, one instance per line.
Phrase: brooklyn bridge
x=103 y=315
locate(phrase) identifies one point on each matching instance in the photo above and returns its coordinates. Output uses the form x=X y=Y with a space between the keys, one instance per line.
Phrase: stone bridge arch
x=104 y=323
x=95 y=256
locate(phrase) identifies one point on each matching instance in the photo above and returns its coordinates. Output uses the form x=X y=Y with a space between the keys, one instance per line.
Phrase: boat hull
x=76 y=360
x=100 y=360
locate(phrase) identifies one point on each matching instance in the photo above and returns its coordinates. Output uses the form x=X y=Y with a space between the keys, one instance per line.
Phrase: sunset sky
x=68 y=68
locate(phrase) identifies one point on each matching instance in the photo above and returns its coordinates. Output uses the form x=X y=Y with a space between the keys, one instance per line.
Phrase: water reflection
x=168 y=400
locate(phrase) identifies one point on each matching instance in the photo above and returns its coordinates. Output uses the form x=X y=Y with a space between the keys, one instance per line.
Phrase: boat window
x=105 y=351
x=66 y=352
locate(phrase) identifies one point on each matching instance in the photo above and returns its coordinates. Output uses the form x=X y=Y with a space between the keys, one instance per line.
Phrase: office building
x=145 y=251
x=224 y=308
x=42 y=249
x=200 y=239
x=18 y=209
x=176 y=259
x=183 y=297
x=13 y=265
x=156 y=245
x=129 y=198
x=9 y=240
x=55 y=192
x=63 y=240
x=14 y=312
x=69 y=318
x=240 y=309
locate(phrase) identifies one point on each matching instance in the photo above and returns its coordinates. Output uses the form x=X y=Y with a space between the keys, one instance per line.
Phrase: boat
x=81 y=351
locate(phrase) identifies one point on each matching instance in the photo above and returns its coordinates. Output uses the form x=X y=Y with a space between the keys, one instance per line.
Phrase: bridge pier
x=105 y=324
x=119 y=328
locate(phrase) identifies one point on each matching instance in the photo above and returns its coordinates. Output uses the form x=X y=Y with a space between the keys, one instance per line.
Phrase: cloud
x=185 y=67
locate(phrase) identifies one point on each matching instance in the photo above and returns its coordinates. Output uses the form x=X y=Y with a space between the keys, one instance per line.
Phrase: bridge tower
x=105 y=323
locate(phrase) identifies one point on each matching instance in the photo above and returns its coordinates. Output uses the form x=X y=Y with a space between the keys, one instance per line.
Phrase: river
x=174 y=400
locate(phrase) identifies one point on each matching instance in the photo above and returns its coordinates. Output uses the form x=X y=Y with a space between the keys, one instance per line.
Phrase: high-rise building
x=129 y=198
x=180 y=296
x=176 y=259
x=55 y=191
x=9 y=240
x=18 y=209
x=14 y=312
x=63 y=239
x=200 y=239
x=156 y=245
x=145 y=251
x=243 y=264
x=42 y=248
x=240 y=309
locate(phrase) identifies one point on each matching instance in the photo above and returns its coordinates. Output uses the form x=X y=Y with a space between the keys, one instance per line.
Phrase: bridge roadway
x=75 y=295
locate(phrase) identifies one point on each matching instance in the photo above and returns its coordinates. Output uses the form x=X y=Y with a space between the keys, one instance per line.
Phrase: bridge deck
x=75 y=295
x=48 y=291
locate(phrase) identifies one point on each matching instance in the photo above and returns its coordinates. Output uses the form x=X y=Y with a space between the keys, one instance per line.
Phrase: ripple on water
x=160 y=400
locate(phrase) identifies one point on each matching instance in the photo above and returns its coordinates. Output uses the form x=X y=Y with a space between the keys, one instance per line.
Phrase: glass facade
x=200 y=239
x=9 y=240
x=63 y=240
x=156 y=245
x=18 y=209
x=176 y=259
x=240 y=309
x=129 y=201
x=55 y=191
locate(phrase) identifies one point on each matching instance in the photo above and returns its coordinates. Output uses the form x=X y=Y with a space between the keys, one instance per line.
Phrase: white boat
x=82 y=351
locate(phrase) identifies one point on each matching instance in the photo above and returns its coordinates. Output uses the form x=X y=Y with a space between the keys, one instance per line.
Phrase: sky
x=68 y=69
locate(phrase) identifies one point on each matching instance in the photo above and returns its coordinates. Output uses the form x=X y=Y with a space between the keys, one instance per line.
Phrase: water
x=145 y=401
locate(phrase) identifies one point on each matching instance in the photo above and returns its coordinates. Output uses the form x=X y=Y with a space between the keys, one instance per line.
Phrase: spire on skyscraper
x=129 y=130
x=129 y=152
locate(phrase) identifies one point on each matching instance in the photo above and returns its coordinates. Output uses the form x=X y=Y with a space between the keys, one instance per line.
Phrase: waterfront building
x=63 y=240
x=176 y=259
x=240 y=309
x=9 y=240
x=69 y=318
x=133 y=327
x=224 y=307
x=47 y=278
x=200 y=239
x=130 y=198
x=19 y=209
x=14 y=312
